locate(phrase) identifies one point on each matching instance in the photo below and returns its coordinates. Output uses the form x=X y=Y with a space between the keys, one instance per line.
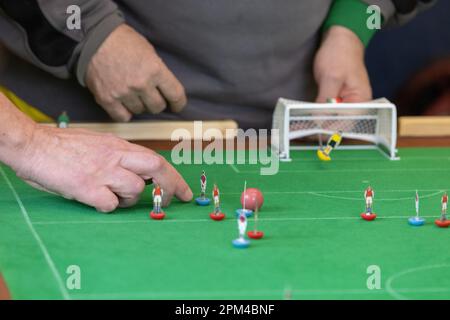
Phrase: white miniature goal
x=374 y=122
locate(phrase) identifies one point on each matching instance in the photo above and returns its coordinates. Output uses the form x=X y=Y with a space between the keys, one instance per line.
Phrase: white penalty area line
x=209 y=220
x=318 y=194
x=345 y=191
x=38 y=239
x=396 y=293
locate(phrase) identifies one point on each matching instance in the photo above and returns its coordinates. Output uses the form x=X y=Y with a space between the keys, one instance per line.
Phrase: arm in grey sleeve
x=400 y=11
x=37 y=31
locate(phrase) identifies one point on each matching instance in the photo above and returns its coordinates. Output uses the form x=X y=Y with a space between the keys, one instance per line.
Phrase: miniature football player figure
x=157 y=198
x=157 y=194
x=369 y=195
x=417 y=220
x=216 y=214
x=248 y=213
x=203 y=185
x=242 y=225
x=63 y=120
x=333 y=142
x=444 y=207
x=443 y=222
x=255 y=233
x=335 y=100
x=241 y=242
x=368 y=214
x=202 y=200
x=215 y=194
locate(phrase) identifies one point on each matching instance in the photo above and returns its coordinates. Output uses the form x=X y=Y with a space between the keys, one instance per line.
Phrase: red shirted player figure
x=217 y=214
x=202 y=200
x=203 y=184
x=157 y=194
x=255 y=233
x=443 y=222
x=369 y=194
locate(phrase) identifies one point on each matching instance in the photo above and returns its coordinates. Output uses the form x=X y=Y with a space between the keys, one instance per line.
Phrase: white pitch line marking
x=235 y=169
x=395 y=293
x=38 y=239
x=209 y=220
x=358 y=199
x=340 y=191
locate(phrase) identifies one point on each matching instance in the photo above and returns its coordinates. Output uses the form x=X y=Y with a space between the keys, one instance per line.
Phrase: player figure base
x=241 y=243
x=248 y=212
x=157 y=216
x=415 y=221
x=202 y=201
x=322 y=156
x=368 y=217
x=442 y=224
x=255 y=234
x=217 y=216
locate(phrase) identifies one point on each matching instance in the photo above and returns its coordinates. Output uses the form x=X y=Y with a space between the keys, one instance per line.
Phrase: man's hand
x=127 y=77
x=339 y=67
x=99 y=170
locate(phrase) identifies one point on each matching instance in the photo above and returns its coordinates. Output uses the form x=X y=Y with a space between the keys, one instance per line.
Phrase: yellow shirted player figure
x=333 y=142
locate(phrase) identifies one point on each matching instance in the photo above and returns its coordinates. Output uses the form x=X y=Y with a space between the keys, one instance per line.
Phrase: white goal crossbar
x=373 y=122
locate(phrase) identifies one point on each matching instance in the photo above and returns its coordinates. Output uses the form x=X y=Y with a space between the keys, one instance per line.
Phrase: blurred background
x=410 y=65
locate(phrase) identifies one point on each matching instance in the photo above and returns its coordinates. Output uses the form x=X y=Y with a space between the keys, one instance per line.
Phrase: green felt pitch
x=316 y=246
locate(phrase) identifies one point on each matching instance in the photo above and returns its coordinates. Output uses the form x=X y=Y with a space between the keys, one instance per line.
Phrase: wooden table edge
x=402 y=142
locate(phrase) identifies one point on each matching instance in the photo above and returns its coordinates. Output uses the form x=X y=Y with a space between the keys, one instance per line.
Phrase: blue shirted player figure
x=417 y=220
x=241 y=242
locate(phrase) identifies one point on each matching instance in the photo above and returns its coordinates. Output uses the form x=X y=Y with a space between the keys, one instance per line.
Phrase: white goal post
x=373 y=122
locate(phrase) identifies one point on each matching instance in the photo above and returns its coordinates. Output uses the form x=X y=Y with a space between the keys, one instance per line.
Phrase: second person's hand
x=127 y=77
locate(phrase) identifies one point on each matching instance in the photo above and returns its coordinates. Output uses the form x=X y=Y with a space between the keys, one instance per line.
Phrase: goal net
x=373 y=123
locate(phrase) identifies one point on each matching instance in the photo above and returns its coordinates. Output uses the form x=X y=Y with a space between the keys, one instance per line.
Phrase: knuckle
x=107 y=206
x=158 y=106
x=139 y=84
x=155 y=69
x=180 y=93
x=105 y=100
x=118 y=117
x=125 y=117
x=157 y=163
x=99 y=199
x=139 y=186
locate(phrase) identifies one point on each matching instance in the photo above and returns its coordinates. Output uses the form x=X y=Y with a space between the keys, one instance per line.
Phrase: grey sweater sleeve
x=37 y=31
x=400 y=11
